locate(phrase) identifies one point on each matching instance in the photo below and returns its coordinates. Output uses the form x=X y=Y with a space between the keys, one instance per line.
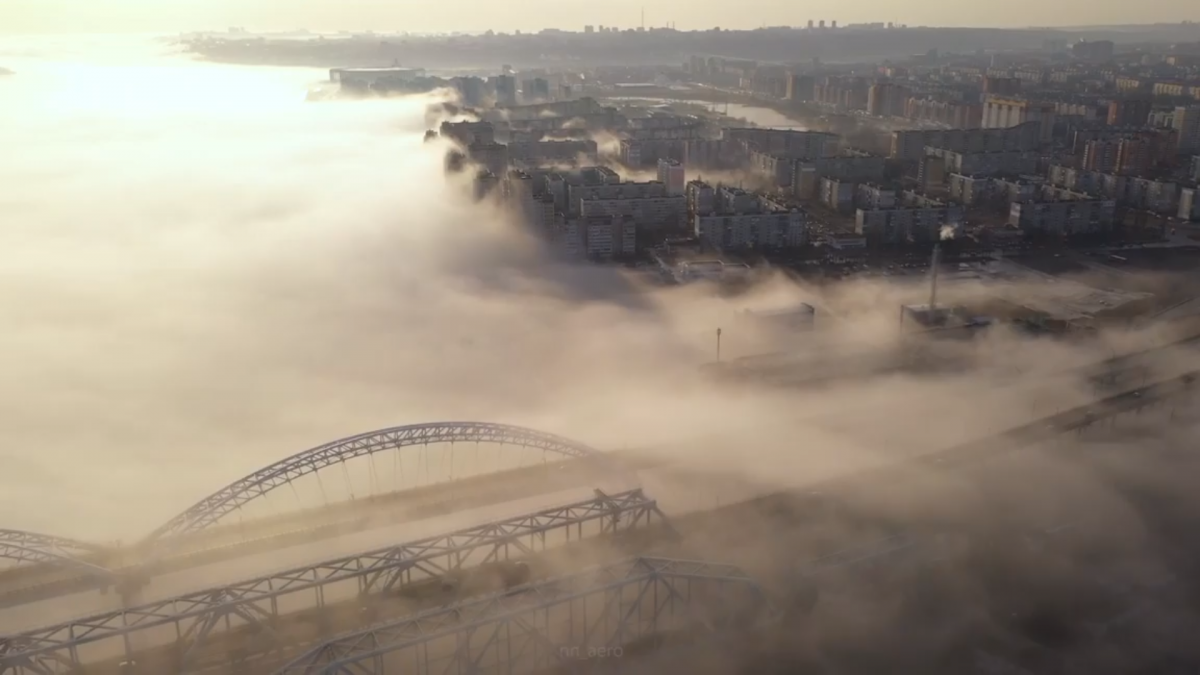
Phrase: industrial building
x=780 y=322
x=941 y=322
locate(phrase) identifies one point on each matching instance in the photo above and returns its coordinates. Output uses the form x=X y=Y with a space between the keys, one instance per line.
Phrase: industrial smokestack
x=933 y=276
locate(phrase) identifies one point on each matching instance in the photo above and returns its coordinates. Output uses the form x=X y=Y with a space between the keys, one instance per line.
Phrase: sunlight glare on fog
x=205 y=274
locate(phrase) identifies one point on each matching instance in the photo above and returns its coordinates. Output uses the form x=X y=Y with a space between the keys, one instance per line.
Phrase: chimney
x=933 y=276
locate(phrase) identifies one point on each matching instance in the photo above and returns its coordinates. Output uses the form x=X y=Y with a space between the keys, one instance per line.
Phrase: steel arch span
x=230 y=498
x=33 y=548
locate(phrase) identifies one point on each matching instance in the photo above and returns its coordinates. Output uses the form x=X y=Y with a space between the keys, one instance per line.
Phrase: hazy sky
x=49 y=16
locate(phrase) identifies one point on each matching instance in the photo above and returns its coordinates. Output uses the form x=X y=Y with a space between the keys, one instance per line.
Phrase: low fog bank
x=1079 y=559
x=194 y=292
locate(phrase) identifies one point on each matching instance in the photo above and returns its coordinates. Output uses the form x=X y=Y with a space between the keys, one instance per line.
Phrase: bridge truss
x=33 y=548
x=184 y=625
x=232 y=497
x=559 y=622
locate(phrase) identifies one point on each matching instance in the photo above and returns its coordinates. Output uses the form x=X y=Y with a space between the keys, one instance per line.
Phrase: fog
x=204 y=273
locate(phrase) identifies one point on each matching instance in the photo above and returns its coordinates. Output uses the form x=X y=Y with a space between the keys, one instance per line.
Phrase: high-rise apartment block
x=1186 y=123
x=1002 y=112
x=506 y=90
x=886 y=99
x=671 y=174
x=1132 y=111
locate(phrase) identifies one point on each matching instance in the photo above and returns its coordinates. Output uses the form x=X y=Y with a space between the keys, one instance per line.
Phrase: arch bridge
x=31 y=548
x=232 y=497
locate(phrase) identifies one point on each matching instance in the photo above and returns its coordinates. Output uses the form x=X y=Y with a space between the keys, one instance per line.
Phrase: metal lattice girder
x=193 y=615
x=32 y=547
x=26 y=554
x=60 y=546
x=546 y=623
x=233 y=496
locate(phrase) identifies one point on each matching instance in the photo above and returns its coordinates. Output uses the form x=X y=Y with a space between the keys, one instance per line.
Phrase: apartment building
x=909 y=145
x=985 y=163
x=776 y=229
x=1001 y=112
x=1061 y=212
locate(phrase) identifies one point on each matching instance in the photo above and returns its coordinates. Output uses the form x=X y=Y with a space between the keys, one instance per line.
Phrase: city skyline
x=474 y=16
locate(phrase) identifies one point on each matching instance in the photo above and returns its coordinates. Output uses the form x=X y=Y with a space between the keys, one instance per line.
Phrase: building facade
x=671 y=174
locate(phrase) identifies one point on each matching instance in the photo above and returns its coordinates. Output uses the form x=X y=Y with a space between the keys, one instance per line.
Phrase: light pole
x=718 y=345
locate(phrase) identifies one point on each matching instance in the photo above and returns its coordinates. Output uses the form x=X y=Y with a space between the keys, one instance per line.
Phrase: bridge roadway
x=224 y=542
x=950 y=459
x=220 y=544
